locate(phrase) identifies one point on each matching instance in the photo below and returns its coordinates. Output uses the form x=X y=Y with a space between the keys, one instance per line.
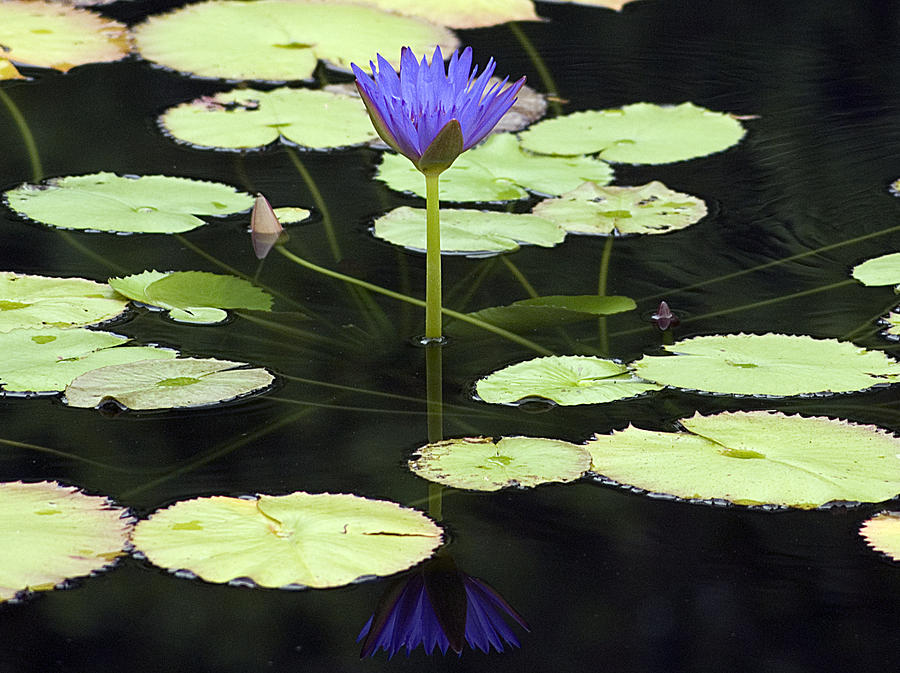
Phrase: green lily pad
x=566 y=379
x=768 y=364
x=280 y=40
x=550 y=311
x=649 y=209
x=480 y=464
x=46 y=360
x=469 y=231
x=52 y=533
x=754 y=458
x=246 y=118
x=192 y=296
x=883 y=270
x=882 y=532
x=156 y=204
x=166 y=384
x=462 y=13
x=291 y=214
x=315 y=540
x=641 y=133
x=891 y=323
x=497 y=170
x=43 y=301
x=48 y=35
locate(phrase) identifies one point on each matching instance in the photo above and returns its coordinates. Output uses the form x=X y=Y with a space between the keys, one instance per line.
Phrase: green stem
x=602 y=327
x=37 y=171
x=320 y=203
x=519 y=276
x=434 y=389
x=539 y=65
x=432 y=258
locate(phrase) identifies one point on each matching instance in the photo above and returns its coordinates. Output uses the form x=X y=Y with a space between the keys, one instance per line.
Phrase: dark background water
x=607 y=579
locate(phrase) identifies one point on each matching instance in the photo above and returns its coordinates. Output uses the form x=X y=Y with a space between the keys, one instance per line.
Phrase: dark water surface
x=608 y=580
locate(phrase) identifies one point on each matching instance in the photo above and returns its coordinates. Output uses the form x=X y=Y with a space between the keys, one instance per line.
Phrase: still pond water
x=607 y=579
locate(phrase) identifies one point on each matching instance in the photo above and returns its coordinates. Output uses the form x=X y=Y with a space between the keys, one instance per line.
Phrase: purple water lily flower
x=431 y=116
x=439 y=606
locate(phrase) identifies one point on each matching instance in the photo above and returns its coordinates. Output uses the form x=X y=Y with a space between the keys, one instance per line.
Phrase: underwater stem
x=539 y=65
x=37 y=171
x=432 y=258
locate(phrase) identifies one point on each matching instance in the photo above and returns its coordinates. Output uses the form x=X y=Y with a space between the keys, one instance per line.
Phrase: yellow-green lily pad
x=480 y=464
x=881 y=270
x=313 y=540
x=52 y=533
x=755 y=458
x=462 y=13
x=882 y=532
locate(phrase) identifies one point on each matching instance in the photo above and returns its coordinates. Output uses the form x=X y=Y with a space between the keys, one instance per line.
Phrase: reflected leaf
x=550 y=311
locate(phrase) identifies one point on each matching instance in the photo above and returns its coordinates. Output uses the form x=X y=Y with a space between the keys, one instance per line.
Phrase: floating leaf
x=46 y=360
x=649 y=209
x=462 y=13
x=280 y=40
x=768 y=364
x=551 y=311
x=756 y=457
x=291 y=214
x=480 y=464
x=42 y=301
x=50 y=36
x=52 y=533
x=469 y=231
x=891 y=323
x=316 y=540
x=497 y=170
x=641 y=133
x=567 y=380
x=608 y=4
x=246 y=118
x=882 y=532
x=883 y=270
x=166 y=384
x=108 y=202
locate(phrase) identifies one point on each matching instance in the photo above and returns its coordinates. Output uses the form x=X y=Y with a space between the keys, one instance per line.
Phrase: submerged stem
x=37 y=171
x=432 y=258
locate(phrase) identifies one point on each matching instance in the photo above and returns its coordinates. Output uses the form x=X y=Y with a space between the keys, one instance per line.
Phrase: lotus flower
x=431 y=116
x=439 y=606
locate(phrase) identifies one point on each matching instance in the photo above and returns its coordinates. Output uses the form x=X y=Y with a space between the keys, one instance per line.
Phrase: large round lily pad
x=247 y=118
x=480 y=464
x=51 y=533
x=768 y=364
x=168 y=384
x=642 y=133
x=567 y=380
x=469 y=231
x=648 y=209
x=156 y=204
x=43 y=301
x=882 y=532
x=315 y=540
x=280 y=40
x=755 y=458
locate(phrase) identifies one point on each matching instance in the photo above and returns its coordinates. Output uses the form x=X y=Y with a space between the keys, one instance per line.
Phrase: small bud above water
x=664 y=318
x=265 y=229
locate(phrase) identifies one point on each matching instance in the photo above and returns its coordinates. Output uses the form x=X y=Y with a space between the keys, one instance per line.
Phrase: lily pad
x=480 y=464
x=641 y=133
x=43 y=301
x=566 y=379
x=883 y=270
x=891 y=323
x=755 y=458
x=768 y=364
x=47 y=360
x=280 y=40
x=315 y=540
x=247 y=118
x=156 y=204
x=291 y=214
x=49 y=35
x=462 y=13
x=497 y=170
x=882 y=532
x=550 y=311
x=52 y=533
x=469 y=231
x=648 y=209
x=168 y=384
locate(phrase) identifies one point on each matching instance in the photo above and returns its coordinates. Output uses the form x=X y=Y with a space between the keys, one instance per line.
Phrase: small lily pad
x=462 y=13
x=883 y=270
x=882 y=532
x=247 y=118
x=43 y=301
x=551 y=311
x=480 y=464
x=280 y=40
x=52 y=533
x=156 y=204
x=315 y=540
x=49 y=35
x=755 y=458
x=768 y=364
x=168 y=384
x=47 y=360
x=641 y=133
x=291 y=214
x=497 y=170
x=648 y=209
x=469 y=231
x=566 y=379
